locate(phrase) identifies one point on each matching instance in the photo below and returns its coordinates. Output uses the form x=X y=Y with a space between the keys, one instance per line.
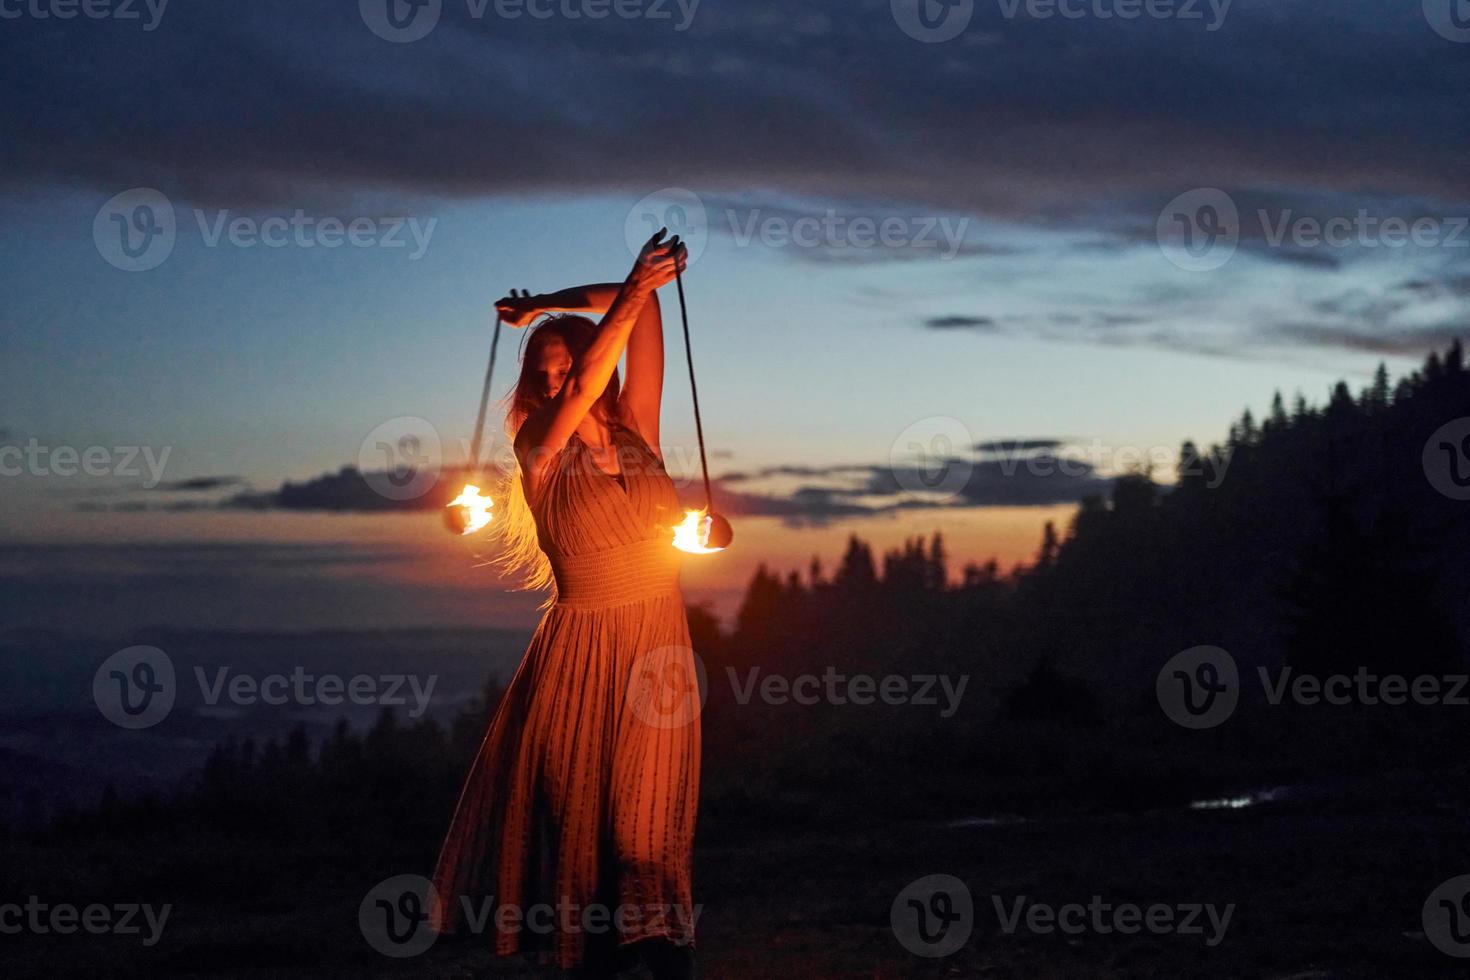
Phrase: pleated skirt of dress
x=576 y=821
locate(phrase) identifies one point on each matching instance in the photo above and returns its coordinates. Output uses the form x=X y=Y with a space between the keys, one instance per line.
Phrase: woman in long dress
x=573 y=835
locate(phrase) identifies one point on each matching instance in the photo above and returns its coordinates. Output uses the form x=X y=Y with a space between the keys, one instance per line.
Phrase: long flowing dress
x=581 y=800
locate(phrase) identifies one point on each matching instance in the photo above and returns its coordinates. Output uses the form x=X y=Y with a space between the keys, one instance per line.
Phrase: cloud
x=1084 y=127
x=1402 y=341
x=349 y=490
x=958 y=321
x=199 y=484
x=1027 y=117
x=1012 y=446
x=1001 y=473
x=1014 y=473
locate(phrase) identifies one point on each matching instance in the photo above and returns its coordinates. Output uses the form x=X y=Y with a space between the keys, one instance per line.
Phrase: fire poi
x=702 y=532
x=470 y=511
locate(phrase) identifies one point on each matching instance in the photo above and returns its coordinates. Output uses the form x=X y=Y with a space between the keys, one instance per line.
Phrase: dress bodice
x=583 y=508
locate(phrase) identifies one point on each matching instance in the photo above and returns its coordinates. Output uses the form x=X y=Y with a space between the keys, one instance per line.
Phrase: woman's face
x=552 y=365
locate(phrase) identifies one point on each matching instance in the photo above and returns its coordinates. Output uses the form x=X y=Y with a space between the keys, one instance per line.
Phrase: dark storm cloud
x=774 y=471
x=199 y=484
x=1010 y=446
x=274 y=101
x=959 y=322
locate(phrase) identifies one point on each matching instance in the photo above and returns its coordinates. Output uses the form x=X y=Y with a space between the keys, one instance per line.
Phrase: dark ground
x=1327 y=885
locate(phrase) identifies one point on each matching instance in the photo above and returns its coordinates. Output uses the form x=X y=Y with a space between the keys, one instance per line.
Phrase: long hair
x=522 y=554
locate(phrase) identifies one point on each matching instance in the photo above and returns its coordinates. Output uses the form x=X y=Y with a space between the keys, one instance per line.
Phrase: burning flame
x=476 y=508
x=692 y=534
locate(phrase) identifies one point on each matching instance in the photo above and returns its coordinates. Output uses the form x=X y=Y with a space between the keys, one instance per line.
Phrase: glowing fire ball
x=468 y=512
x=702 y=534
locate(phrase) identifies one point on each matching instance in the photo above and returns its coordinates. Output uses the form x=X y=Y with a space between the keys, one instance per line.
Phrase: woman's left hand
x=517 y=311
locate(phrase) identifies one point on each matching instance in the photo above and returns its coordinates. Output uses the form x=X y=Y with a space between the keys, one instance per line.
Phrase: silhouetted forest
x=1311 y=538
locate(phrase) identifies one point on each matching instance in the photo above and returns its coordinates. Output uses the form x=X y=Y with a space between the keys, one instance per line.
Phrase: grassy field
x=1322 y=887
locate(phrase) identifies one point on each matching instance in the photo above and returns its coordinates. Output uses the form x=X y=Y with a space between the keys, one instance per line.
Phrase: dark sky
x=1106 y=226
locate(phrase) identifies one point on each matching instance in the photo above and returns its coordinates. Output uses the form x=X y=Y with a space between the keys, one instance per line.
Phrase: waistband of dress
x=626 y=573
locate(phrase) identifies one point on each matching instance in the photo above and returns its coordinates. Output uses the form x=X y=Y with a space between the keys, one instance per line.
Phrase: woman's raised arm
x=544 y=436
x=595 y=297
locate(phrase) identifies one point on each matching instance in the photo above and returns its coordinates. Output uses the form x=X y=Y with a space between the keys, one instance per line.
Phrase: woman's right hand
x=517 y=311
x=659 y=261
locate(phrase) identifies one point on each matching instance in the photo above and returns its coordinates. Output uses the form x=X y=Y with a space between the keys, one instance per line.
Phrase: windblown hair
x=522 y=553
